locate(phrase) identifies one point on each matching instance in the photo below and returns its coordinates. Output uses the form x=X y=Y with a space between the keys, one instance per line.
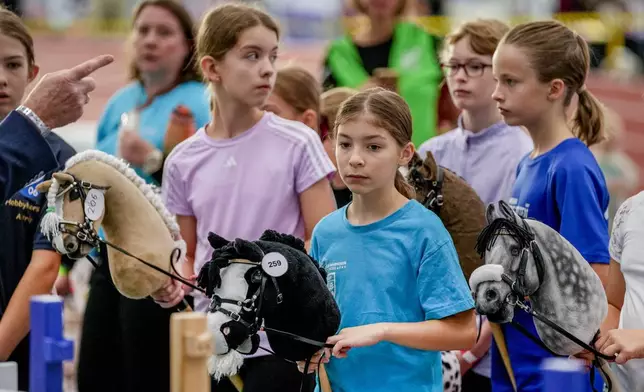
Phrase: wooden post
x=190 y=347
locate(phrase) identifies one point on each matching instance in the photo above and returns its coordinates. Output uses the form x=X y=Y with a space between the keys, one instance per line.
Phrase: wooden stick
x=325 y=384
x=237 y=382
x=503 y=350
x=190 y=347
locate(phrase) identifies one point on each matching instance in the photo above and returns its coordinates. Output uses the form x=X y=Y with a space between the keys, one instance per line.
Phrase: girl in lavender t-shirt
x=248 y=170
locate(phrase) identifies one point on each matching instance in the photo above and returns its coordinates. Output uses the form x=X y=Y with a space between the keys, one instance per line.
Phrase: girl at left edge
x=402 y=294
x=28 y=261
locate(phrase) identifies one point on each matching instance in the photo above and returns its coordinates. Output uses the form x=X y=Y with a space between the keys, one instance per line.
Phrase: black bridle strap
x=568 y=335
x=96 y=241
x=299 y=338
x=154 y=267
x=434 y=198
x=224 y=300
x=562 y=331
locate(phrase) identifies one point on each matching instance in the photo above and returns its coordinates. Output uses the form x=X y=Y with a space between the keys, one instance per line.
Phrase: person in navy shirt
x=28 y=262
x=539 y=68
x=57 y=100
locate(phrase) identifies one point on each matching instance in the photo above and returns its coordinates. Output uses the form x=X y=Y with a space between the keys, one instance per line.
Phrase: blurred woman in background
x=124 y=343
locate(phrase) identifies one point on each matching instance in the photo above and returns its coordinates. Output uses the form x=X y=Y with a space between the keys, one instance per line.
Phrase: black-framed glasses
x=472 y=70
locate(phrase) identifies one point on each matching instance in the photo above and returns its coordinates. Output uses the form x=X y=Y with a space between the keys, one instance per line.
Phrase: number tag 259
x=274 y=264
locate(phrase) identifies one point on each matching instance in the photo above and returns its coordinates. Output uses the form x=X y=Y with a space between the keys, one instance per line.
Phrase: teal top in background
x=153 y=120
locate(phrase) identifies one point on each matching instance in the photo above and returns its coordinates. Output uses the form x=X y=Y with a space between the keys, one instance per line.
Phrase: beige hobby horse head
x=99 y=190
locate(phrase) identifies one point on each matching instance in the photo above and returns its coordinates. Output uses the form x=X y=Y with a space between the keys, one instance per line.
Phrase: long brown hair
x=189 y=71
x=298 y=88
x=222 y=26
x=330 y=102
x=556 y=52
x=12 y=26
x=389 y=112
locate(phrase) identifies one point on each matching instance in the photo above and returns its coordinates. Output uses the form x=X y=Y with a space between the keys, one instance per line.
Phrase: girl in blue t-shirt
x=540 y=67
x=391 y=263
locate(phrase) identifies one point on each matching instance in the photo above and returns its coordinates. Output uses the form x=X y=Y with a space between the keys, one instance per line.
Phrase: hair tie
x=581 y=89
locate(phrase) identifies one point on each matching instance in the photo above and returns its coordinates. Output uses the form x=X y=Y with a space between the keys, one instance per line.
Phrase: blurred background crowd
x=70 y=30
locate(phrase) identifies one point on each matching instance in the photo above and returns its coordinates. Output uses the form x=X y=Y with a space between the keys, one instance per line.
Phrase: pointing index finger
x=88 y=67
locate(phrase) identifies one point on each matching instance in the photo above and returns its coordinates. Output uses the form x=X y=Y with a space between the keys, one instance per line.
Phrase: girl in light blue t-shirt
x=391 y=263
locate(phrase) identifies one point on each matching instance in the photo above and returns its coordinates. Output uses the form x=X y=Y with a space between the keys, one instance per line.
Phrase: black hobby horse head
x=271 y=282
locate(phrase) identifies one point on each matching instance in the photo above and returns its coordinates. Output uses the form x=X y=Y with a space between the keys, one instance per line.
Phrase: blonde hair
x=298 y=88
x=484 y=35
x=222 y=26
x=330 y=102
x=388 y=111
x=556 y=52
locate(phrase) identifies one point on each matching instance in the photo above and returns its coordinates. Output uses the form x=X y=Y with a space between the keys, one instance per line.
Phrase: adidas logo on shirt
x=230 y=162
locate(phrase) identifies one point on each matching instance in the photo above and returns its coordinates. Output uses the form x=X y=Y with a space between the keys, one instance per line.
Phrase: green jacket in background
x=413 y=56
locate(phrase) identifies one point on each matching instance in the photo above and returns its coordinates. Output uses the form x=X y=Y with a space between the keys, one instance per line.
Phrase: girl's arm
x=457 y=332
x=173 y=292
x=315 y=203
x=312 y=169
x=480 y=348
x=38 y=279
x=615 y=285
x=174 y=196
x=615 y=292
x=188 y=228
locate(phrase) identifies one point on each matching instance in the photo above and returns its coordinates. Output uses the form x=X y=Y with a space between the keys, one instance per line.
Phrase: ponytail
x=589 y=120
x=403 y=186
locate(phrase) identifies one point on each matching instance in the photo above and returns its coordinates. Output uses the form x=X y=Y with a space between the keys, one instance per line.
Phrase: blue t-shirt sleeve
x=314 y=251
x=442 y=288
x=582 y=199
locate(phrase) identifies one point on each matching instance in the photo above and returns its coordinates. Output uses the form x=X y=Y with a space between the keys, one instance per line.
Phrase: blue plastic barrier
x=48 y=347
x=564 y=375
